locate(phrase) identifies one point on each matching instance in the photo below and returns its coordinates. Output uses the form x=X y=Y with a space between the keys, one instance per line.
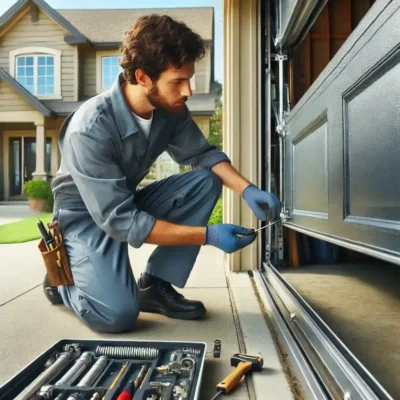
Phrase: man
x=107 y=147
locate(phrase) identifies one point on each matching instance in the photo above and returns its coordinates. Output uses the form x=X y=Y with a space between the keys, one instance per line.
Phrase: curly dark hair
x=153 y=42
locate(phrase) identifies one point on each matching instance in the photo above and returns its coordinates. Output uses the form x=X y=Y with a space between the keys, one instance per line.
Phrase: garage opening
x=356 y=295
x=331 y=29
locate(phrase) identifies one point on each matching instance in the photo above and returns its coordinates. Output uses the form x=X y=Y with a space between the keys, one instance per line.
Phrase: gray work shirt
x=105 y=156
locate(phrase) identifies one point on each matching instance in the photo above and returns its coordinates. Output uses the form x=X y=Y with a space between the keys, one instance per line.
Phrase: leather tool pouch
x=56 y=260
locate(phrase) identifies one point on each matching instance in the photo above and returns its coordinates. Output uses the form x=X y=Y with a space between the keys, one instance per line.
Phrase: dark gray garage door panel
x=310 y=171
x=372 y=145
x=343 y=142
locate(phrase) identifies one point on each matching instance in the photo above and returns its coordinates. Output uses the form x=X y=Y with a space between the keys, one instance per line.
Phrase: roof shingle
x=198 y=104
x=110 y=25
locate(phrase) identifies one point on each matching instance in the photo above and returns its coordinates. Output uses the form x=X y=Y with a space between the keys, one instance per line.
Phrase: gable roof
x=29 y=97
x=74 y=37
x=110 y=25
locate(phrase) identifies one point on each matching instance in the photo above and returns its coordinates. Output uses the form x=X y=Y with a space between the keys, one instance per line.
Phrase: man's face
x=172 y=89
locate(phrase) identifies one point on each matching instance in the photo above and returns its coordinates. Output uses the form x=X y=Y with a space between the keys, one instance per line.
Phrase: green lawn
x=24 y=230
x=216 y=216
x=27 y=230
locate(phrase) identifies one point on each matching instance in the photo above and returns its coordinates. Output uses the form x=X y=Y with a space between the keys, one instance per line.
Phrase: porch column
x=40 y=171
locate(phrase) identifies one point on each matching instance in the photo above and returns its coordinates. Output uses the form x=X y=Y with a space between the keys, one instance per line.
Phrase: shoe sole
x=175 y=315
x=54 y=299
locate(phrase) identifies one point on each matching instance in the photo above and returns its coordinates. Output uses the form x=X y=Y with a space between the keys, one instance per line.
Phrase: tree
x=215 y=136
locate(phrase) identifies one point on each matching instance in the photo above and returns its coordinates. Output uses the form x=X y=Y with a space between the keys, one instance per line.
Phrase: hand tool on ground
x=217 y=348
x=115 y=381
x=62 y=360
x=244 y=363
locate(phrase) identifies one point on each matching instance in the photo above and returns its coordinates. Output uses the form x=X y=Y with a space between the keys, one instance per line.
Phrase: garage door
x=342 y=169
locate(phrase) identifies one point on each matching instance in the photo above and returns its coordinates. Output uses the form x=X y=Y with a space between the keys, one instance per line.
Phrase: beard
x=159 y=101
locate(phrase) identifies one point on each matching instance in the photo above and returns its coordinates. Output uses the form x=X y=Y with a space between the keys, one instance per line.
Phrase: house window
x=110 y=69
x=107 y=69
x=36 y=73
x=38 y=70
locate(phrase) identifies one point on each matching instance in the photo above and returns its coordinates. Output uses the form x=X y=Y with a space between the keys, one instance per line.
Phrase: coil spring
x=140 y=353
x=195 y=352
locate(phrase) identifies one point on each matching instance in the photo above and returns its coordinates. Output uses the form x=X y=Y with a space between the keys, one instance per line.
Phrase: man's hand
x=229 y=238
x=265 y=205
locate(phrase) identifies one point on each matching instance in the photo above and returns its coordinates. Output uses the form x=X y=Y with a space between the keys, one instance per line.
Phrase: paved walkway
x=11 y=213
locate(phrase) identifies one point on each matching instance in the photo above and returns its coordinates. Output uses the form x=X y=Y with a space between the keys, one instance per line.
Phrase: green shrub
x=216 y=216
x=39 y=189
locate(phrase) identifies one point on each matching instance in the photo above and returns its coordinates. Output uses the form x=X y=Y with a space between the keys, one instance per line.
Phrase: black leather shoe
x=162 y=298
x=51 y=292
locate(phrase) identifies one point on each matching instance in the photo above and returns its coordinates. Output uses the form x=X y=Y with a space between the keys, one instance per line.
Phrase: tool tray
x=135 y=353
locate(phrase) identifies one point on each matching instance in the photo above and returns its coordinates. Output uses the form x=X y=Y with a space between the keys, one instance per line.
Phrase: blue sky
x=217 y=4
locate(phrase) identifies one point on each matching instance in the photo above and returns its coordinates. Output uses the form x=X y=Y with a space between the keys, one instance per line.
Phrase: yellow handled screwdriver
x=244 y=363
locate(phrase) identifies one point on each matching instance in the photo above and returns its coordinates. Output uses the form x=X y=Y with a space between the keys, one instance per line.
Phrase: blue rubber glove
x=265 y=205
x=229 y=238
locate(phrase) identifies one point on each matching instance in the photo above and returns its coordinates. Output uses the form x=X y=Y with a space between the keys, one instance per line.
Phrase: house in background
x=51 y=61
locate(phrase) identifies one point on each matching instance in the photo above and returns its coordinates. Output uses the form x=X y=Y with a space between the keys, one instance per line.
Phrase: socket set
x=111 y=370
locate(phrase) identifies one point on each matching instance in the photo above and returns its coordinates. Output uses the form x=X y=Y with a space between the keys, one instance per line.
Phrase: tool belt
x=56 y=259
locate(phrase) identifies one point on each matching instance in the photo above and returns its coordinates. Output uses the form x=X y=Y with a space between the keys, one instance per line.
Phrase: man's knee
x=116 y=318
x=210 y=182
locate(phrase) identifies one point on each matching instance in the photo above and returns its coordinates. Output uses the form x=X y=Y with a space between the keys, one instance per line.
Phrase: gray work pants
x=105 y=294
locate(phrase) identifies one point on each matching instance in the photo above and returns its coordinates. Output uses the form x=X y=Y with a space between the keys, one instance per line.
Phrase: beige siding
x=88 y=86
x=204 y=124
x=89 y=73
x=54 y=124
x=12 y=101
x=2 y=157
x=203 y=74
x=44 y=33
